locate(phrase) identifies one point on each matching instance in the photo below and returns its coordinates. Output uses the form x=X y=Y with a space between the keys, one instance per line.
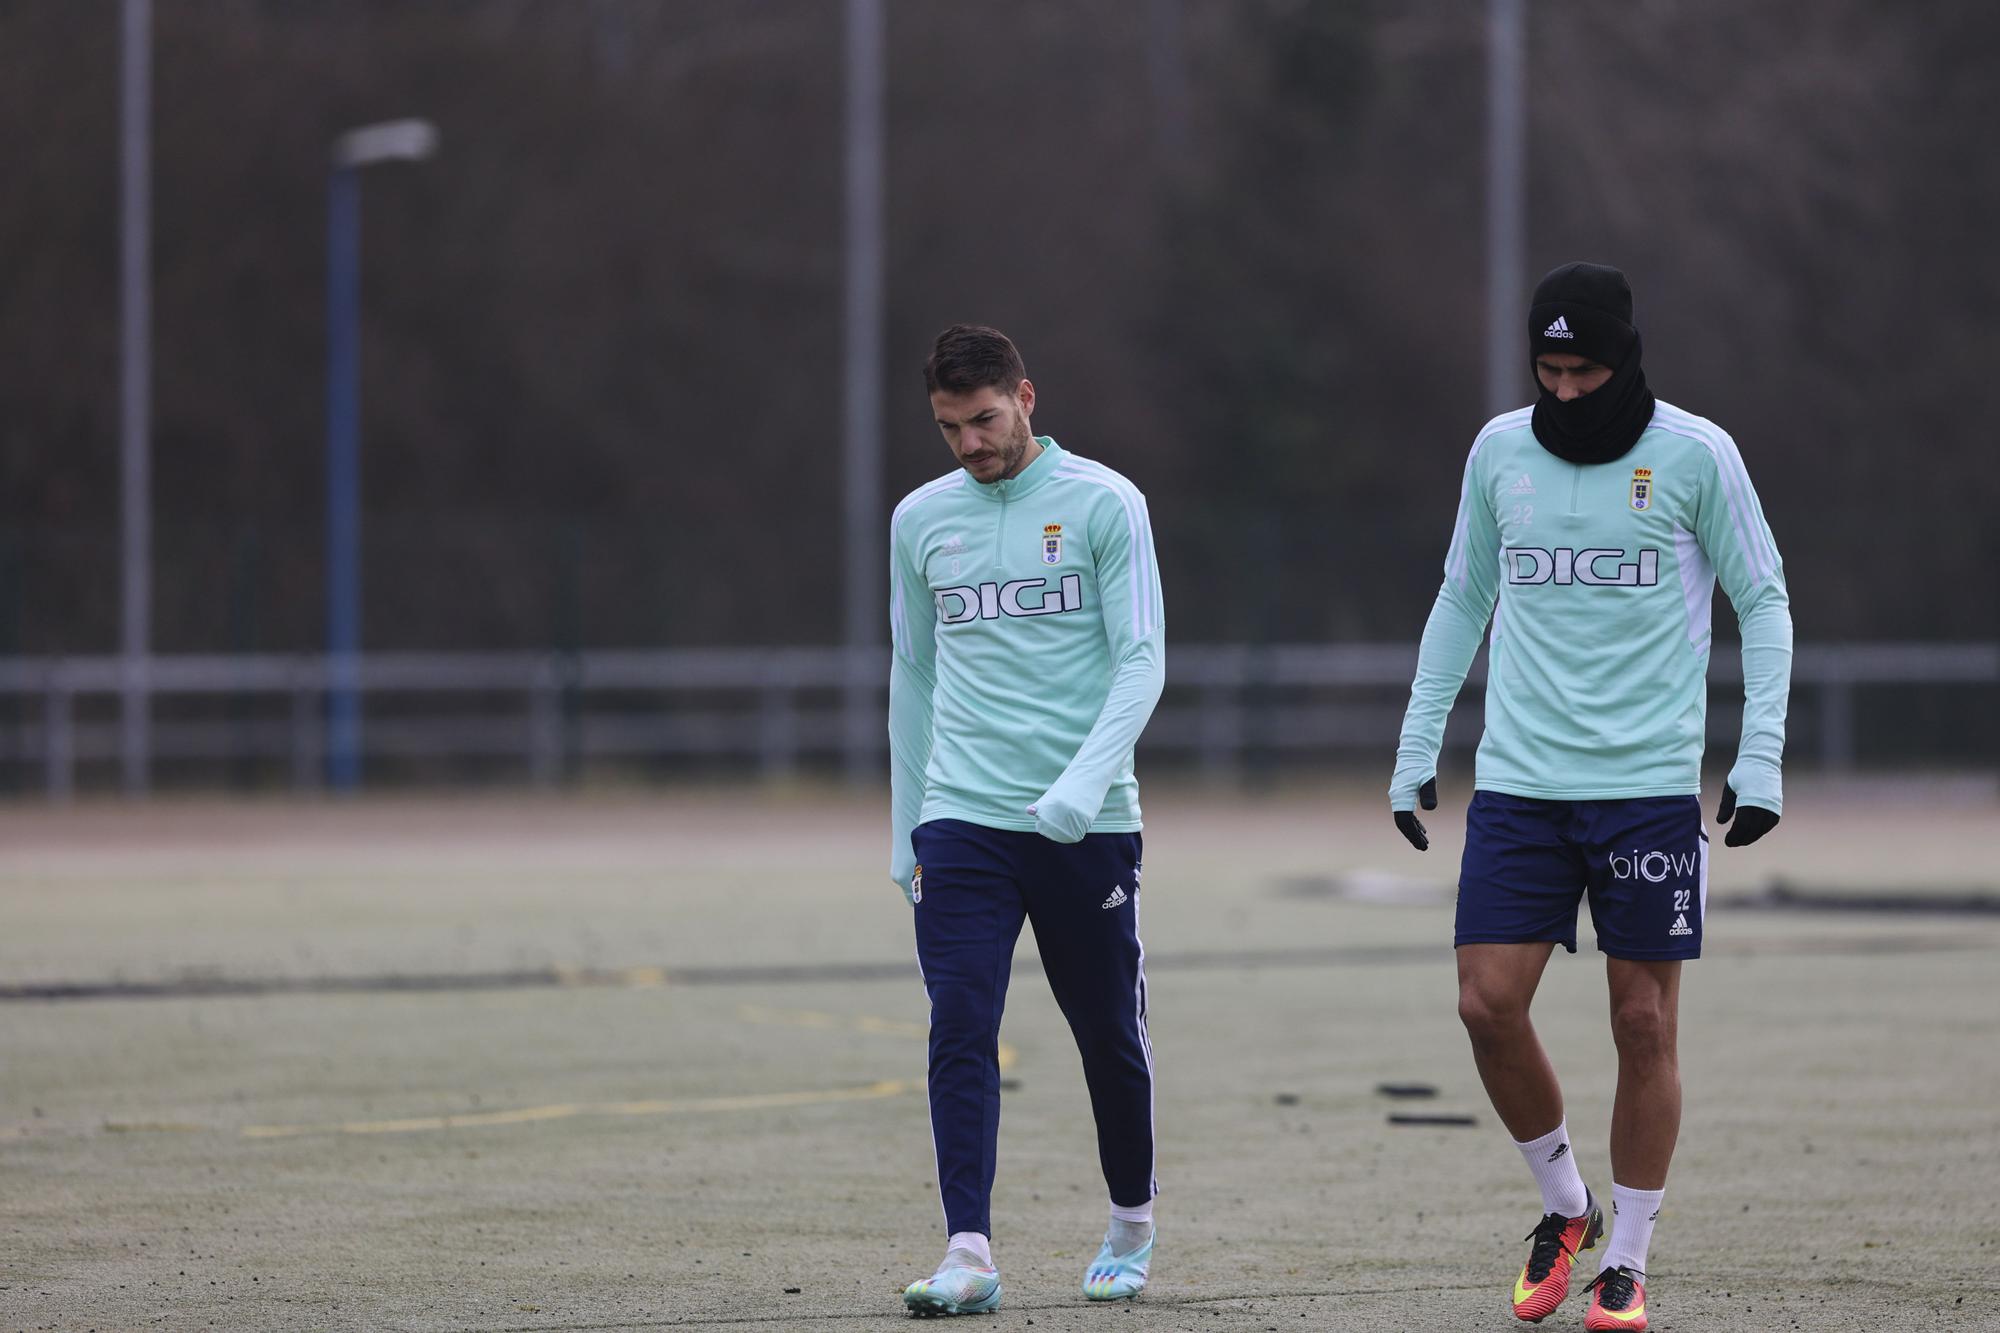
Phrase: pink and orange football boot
x=1544 y=1279
x=1617 y=1300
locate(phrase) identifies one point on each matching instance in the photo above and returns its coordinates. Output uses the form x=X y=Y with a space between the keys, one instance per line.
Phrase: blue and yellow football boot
x=1117 y=1277
x=961 y=1285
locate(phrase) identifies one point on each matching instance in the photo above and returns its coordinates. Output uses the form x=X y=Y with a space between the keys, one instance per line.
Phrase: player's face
x=1567 y=375
x=987 y=428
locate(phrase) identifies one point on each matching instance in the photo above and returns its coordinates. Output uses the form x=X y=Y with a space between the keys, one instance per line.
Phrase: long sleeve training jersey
x=1028 y=643
x=1598 y=580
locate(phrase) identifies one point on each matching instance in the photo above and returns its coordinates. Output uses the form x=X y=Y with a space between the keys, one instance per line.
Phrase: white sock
x=1633 y=1213
x=1554 y=1165
x=972 y=1243
x=1131 y=1228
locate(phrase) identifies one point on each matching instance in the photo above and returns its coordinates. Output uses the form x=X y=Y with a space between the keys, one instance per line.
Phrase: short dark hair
x=966 y=357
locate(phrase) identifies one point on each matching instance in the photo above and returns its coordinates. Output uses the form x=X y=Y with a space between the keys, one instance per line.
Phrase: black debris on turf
x=1406 y=1090
x=1780 y=896
x=1397 y=1119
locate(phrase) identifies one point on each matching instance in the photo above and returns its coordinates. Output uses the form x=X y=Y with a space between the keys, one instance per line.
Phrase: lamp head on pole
x=387 y=141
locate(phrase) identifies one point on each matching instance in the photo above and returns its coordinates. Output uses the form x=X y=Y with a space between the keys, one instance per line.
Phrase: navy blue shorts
x=1643 y=863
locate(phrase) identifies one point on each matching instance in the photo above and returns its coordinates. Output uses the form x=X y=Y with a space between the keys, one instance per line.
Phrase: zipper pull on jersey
x=1000 y=533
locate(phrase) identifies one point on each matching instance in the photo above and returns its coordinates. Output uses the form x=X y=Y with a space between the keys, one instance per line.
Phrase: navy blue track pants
x=978 y=885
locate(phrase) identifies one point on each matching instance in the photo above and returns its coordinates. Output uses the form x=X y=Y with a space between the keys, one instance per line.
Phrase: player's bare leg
x=1646 y=1117
x=1645 y=1123
x=1496 y=984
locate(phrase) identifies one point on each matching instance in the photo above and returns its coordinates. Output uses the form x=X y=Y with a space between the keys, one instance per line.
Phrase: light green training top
x=1028 y=643
x=1598 y=580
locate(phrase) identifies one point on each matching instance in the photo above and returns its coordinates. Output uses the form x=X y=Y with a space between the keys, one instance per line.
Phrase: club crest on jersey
x=1642 y=488
x=1052 y=544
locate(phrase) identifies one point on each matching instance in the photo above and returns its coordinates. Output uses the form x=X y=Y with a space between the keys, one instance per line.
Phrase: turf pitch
x=630 y=1061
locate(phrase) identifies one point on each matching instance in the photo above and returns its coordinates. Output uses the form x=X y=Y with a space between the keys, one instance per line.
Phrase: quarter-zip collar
x=1030 y=478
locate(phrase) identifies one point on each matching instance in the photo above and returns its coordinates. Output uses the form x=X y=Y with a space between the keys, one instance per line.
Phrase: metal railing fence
x=544 y=715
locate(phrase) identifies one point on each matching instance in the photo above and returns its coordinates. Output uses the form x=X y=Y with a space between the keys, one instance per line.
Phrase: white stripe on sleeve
x=899 y=611
x=1759 y=556
x=1697 y=586
x=1455 y=567
x=1144 y=616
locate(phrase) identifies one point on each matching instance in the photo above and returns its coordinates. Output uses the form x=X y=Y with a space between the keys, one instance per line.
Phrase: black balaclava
x=1586 y=309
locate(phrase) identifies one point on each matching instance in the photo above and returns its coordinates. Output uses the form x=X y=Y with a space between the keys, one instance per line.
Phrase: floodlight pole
x=865 y=575
x=1506 y=188
x=391 y=141
x=135 y=373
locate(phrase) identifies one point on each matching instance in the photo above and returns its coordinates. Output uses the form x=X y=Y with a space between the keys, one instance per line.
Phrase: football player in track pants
x=1028 y=643
x=1592 y=529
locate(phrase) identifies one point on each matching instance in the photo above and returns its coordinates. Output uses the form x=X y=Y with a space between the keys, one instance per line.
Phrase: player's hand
x=1407 y=822
x=1059 y=820
x=1747 y=823
x=903 y=872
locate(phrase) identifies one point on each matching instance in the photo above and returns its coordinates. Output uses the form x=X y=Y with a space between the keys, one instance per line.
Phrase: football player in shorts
x=1592 y=529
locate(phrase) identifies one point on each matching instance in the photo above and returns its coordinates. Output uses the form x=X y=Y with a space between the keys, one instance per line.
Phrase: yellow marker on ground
x=760 y=1101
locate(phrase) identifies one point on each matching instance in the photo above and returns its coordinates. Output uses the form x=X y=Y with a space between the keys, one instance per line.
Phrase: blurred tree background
x=1239 y=242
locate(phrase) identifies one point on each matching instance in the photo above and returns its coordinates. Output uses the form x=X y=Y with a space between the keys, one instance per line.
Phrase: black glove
x=1407 y=822
x=1751 y=822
